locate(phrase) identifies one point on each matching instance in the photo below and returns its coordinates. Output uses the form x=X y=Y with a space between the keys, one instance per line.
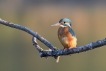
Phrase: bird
x=66 y=35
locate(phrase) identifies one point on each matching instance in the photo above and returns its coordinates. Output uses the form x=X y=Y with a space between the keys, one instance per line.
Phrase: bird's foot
x=65 y=48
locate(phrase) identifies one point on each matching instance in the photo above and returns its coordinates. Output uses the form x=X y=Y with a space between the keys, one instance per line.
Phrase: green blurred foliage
x=17 y=52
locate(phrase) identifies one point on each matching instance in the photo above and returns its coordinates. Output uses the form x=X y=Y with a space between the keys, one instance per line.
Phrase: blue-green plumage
x=65 y=20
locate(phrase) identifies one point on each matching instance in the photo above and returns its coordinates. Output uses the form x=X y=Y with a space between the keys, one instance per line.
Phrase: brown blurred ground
x=17 y=52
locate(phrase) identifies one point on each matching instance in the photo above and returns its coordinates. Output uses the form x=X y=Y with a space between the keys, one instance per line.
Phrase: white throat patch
x=68 y=24
x=62 y=26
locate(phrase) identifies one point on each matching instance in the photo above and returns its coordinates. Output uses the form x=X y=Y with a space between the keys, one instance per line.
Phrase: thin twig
x=23 y=28
x=36 y=44
x=41 y=50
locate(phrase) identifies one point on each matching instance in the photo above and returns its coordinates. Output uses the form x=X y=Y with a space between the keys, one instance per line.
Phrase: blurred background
x=88 y=21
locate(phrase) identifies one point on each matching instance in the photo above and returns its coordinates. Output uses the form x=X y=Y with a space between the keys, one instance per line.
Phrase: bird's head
x=63 y=22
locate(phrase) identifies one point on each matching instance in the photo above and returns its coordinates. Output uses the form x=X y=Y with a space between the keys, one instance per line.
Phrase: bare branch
x=79 y=49
x=53 y=51
x=23 y=28
x=60 y=52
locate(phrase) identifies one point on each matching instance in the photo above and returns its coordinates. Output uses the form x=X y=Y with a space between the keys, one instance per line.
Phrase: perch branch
x=53 y=52
x=60 y=52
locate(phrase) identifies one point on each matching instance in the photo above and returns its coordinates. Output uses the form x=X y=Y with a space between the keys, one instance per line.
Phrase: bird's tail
x=57 y=59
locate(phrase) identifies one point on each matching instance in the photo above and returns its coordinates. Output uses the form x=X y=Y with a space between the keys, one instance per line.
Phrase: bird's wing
x=71 y=31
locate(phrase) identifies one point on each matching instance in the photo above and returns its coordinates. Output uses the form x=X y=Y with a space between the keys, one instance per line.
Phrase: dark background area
x=17 y=52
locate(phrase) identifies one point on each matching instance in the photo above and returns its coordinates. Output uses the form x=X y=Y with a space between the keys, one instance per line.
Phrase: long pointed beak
x=56 y=24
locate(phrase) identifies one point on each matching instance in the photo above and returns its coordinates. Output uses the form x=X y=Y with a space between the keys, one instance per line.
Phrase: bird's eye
x=64 y=22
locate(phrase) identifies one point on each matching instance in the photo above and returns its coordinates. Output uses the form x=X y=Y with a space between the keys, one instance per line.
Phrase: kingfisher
x=66 y=34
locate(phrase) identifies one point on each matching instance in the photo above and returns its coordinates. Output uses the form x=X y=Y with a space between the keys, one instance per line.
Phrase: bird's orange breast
x=66 y=39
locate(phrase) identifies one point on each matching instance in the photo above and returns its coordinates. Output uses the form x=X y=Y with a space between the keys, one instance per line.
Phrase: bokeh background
x=17 y=52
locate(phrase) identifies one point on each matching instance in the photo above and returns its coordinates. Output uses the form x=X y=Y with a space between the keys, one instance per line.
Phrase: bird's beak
x=56 y=24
